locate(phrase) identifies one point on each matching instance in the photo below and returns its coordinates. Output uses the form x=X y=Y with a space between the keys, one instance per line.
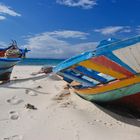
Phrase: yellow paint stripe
x=91 y=65
x=110 y=86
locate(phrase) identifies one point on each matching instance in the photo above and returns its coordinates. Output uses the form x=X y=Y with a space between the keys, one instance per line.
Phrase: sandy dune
x=39 y=108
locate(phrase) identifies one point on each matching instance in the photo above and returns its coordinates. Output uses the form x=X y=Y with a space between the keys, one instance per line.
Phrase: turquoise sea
x=40 y=61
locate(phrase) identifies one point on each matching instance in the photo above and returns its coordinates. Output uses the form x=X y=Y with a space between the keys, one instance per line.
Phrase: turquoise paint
x=102 y=50
x=72 y=61
x=113 y=95
x=9 y=59
x=107 y=51
x=7 y=64
x=117 y=45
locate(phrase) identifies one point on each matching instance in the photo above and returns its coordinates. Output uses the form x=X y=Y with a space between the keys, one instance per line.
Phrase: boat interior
x=81 y=77
x=13 y=51
x=105 y=65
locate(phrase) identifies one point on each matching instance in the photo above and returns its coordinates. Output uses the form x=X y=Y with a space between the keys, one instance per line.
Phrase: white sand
x=56 y=117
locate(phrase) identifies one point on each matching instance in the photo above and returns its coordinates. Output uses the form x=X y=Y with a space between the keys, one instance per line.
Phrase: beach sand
x=40 y=108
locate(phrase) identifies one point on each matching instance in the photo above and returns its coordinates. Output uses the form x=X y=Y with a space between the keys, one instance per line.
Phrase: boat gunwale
x=10 y=59
x=102 y=50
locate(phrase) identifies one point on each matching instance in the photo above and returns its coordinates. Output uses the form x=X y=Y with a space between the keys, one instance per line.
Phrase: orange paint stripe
x=108 y=87
x=102 y=60
x=100 y=68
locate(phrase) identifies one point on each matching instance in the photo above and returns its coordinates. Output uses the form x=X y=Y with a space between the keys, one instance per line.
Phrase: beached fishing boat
x=109 y=73
x=9 y=57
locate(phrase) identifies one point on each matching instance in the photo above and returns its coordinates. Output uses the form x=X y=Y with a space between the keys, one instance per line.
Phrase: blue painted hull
x=9 y=57
x=6 y=67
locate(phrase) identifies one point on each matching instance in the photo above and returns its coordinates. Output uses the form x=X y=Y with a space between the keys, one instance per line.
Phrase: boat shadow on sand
x=121 y=113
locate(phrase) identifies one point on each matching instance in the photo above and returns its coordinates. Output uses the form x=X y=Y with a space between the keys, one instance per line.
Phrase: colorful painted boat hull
x=9 y=57
x=110 y=73
x=6 y=67
x=112 y=95
x=129 y=96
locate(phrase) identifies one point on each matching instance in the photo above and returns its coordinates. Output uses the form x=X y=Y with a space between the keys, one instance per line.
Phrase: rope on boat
x=13 y=51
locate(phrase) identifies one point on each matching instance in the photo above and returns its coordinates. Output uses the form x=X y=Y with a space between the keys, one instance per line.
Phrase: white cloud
x=69 y=34
x=50 y=45
x=85 y=4
x=44 y=39
x=2 y=17
x=6 y=10
x=113 y=29
x=82 y=47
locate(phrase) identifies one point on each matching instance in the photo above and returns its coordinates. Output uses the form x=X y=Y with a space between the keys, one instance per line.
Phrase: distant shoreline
x=40 y=61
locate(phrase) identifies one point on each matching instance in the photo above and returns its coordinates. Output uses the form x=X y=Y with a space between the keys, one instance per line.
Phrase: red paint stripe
x=2 y=53
x=102 y=60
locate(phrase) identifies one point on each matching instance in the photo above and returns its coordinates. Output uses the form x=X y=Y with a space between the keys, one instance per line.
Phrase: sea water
x=40 y=61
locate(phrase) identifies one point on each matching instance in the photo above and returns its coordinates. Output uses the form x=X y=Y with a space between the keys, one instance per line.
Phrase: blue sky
x=63 y=28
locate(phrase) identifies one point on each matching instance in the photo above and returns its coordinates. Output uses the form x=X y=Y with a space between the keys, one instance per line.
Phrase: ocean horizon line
x=40 y=61
x=45 y=58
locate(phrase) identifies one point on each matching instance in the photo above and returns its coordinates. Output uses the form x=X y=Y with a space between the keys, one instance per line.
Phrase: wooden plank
x=102 y=60
x=111 y=86
x=76 y=78
x=92 y=74
x=114 y=58
x=130 y=95
x=100 y=68
x=130 y=56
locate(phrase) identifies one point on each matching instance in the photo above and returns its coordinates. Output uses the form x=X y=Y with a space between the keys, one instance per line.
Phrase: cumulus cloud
x=69 y=34
x=2 y=17
x=113 y=29
x=50 y=45
x=6 y=10
x=85 y=4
